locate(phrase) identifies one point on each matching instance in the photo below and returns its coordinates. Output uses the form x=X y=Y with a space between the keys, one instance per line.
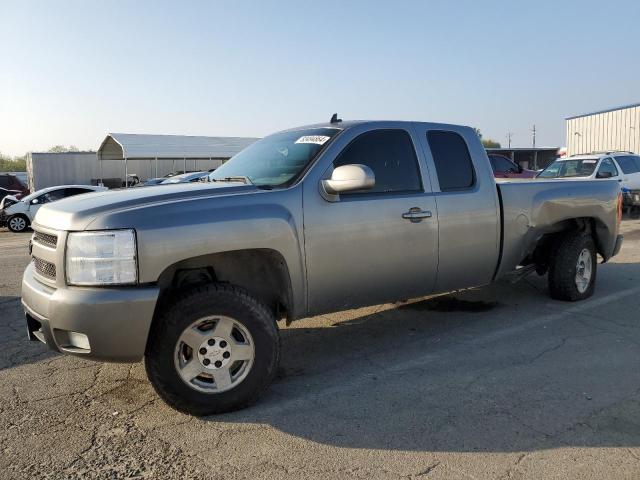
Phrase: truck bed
x=533 y=208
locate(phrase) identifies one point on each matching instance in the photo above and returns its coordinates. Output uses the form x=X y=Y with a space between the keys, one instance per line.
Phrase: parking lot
x=498 y=382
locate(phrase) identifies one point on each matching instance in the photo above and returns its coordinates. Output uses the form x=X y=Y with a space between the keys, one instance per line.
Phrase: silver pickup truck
x=192 y=277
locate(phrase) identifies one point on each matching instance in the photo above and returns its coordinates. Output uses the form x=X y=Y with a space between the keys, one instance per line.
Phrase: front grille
x=44 y=268
x=45 y=239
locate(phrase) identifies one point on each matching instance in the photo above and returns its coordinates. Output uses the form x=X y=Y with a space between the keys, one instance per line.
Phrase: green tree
x=63 y=149
x=15 y=164
x=488 y=143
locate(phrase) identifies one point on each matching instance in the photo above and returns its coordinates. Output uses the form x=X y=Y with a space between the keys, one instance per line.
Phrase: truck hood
x=77 y=213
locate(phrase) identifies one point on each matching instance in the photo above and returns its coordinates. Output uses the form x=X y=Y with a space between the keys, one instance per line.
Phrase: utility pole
x=533 y=135
x=509 y=135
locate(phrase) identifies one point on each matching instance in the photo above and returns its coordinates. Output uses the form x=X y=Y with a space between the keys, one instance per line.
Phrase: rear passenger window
x=452 y=159
x=391 y=156
x=629 y=163
x=502 y=164
x=70 y=192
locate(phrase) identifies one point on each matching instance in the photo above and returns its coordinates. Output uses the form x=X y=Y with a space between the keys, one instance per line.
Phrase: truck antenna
x=335 y=119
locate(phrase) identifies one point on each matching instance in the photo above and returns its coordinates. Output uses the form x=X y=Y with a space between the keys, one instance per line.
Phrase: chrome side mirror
x=349 y=178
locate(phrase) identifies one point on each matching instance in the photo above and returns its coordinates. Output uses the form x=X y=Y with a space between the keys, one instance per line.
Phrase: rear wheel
x=214 y=350
x=17 y=223
x=573 y=268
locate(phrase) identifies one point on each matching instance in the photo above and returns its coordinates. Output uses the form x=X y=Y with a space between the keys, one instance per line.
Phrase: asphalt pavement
x=496 y=382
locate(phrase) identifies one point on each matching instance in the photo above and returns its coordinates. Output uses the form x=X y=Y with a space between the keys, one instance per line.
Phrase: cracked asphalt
x=497 y=382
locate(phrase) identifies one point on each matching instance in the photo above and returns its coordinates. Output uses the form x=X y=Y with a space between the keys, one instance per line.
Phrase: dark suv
x=8 y=181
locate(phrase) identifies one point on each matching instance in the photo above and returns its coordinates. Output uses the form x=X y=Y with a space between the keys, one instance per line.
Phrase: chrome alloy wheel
x=584 y=270
x=214 y=354
x=17 y=224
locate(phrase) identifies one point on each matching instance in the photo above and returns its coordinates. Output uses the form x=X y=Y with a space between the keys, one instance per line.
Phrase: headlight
x=101 y=258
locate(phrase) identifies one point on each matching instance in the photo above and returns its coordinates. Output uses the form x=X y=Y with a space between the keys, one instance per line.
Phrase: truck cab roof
x=345 y=124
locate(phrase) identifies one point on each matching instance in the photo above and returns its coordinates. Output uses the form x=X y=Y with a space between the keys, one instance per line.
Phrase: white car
x=186 y=178
x=19 y=215
x=621 y=166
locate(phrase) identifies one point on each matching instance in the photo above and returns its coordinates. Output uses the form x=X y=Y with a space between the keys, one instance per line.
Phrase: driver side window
x=52 y=196
x=390 y=155
x=607 y=166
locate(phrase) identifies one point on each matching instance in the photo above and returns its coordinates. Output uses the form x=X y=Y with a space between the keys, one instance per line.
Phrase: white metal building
x=146 y=156
x=605 y=130
x=48 y=169
x=161 y=154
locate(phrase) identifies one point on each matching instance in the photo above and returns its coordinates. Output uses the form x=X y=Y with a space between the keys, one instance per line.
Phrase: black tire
x=563 y=267
x=186 y=308
x=13 y=225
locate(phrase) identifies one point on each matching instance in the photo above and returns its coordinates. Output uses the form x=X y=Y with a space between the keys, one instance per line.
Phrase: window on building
x=452 y=159
x=390 y=155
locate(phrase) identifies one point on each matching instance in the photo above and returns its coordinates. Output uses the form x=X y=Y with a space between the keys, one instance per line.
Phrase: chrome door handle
x=416 y=214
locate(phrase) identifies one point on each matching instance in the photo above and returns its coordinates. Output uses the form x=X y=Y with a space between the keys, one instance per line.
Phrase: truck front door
x=373 y=246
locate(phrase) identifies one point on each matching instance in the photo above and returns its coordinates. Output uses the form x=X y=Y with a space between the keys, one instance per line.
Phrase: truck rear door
x=467 y=203
x=369 y=247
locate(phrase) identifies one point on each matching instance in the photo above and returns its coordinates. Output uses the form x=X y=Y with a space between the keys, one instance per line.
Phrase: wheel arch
x=263 y=272
x=542 y=248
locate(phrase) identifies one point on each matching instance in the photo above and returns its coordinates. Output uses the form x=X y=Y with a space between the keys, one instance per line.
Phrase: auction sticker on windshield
x=317 y=139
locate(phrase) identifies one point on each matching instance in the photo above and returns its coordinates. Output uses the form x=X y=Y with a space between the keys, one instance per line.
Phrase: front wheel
x=214 y=350
x=573 y=268
x=17 y=223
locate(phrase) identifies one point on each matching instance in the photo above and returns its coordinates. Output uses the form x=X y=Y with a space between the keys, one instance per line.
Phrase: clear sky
x=72 y=71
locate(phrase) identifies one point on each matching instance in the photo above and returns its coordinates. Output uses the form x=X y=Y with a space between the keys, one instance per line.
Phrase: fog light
x=79 y=340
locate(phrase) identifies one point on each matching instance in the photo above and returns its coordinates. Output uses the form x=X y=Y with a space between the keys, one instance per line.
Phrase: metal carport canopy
x=134 y=146
x=121 y=146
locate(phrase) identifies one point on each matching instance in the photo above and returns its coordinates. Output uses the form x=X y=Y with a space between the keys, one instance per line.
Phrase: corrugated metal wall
x=51 y=169
x=598 y=132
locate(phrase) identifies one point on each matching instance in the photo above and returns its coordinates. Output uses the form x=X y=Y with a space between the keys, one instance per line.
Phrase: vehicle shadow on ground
x=454 y=374
x=15 y=348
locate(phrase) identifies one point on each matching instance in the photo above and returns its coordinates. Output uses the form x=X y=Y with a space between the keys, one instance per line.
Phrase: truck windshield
x=570 y=168
x=278 y=159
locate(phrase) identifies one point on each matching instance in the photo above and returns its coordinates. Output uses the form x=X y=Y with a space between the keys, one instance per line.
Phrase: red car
x=504 y=167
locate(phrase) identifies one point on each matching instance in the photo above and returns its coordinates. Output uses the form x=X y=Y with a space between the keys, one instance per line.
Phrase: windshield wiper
x=237 y=178
x=244 y=179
